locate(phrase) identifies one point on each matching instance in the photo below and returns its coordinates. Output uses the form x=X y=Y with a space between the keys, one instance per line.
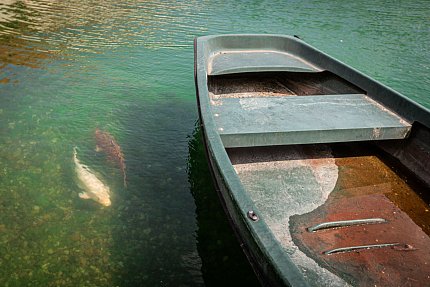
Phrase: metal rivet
x=252 y=215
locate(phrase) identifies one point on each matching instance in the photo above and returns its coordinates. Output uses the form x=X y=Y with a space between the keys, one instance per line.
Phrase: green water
x=67 y=67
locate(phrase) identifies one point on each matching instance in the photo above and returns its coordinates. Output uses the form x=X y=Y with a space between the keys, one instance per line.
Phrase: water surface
x=126 y=67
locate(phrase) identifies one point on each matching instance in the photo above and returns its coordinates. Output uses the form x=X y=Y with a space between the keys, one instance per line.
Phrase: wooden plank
x=279 y=84
x=304 y=120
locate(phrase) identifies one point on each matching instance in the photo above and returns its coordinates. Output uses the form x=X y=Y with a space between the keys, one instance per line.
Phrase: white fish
x=95 y=189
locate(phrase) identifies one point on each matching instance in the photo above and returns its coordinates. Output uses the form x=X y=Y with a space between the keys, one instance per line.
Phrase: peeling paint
x=299 y=180
x=216 y=103
x=253 y=104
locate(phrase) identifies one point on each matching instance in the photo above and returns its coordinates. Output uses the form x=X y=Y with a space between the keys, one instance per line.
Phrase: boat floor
x=341 y=212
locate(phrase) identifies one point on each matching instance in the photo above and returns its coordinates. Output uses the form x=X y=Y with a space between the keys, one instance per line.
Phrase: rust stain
x=367 y=188
x=106 y=143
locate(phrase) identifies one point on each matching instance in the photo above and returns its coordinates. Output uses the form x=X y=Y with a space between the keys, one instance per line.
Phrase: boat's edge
x=215 y=175
x=266 y=255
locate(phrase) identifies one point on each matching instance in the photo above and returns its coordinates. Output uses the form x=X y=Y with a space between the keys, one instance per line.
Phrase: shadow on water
x=223 y=262
x=154 y=225
x=159 y=240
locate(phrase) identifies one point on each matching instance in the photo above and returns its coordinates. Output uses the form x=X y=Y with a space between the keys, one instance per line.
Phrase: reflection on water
x=88 y=27
x=32 y=31
x=69 y=67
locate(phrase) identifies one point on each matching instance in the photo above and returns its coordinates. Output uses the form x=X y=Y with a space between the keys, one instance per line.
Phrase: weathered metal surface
x=283 y=181
x=303 y=120
x=239 y=61
x=299 y=187
x=345 y=223
x=360 y=248
x=396 y=253
x=380 y=267
x=265 y=239
x=268 y=267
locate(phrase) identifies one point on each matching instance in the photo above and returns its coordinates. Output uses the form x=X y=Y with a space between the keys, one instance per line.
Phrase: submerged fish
x=94 y=188
x=106 y=143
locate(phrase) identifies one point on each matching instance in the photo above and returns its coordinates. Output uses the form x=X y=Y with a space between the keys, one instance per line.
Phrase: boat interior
x=338 y=177
x=267 y=84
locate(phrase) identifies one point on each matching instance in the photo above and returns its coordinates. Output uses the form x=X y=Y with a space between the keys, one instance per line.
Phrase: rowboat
x=323 y=172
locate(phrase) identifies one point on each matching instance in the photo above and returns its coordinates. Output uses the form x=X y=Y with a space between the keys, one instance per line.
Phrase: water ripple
x=92 y=27
x=67 y=67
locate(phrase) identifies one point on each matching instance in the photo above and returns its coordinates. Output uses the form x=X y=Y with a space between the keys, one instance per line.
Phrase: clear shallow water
x=71 y=66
